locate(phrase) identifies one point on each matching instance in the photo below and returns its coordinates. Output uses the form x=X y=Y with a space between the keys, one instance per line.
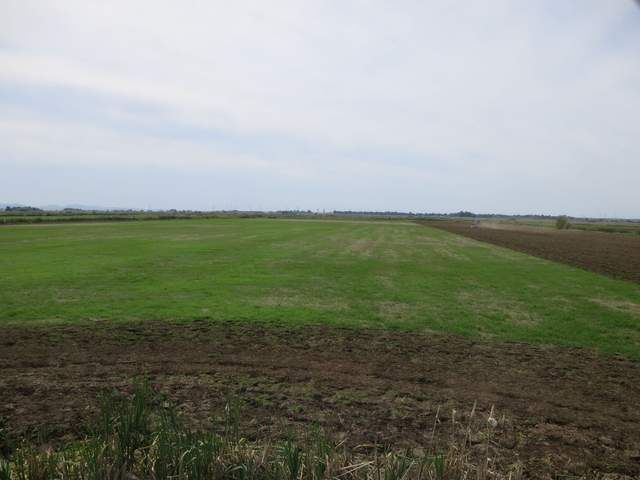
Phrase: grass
x=628 y=227
x=144 y=437
x=609 y=227
x=350 y=273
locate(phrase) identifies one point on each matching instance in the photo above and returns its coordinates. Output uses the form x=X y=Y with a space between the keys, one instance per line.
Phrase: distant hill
x=74 y=206
x=5 y=205
x=78 y=206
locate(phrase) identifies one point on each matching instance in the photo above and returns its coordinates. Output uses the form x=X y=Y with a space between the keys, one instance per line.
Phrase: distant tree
x=562 y=222
x=463 y=214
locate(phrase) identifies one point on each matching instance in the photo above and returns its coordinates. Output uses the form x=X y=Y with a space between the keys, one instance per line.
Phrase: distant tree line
x=460 y=214
x=16 y=211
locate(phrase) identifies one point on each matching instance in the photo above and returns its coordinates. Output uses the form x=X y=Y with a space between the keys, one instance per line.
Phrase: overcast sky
x=511 y=106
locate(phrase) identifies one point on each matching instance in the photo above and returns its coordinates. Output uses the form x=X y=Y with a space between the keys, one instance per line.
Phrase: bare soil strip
x=567 y=409
x=613 y=254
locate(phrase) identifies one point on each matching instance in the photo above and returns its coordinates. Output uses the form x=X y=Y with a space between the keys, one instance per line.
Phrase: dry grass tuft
x=143 y=437
x=619 y=305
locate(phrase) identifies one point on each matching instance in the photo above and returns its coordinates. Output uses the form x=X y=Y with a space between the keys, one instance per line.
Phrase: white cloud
x=540 y=96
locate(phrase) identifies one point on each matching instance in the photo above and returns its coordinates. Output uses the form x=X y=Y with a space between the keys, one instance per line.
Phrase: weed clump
x=562 y=222
x=143 y=437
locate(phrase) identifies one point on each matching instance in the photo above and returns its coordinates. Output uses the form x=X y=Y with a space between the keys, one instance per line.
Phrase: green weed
x=141 y=437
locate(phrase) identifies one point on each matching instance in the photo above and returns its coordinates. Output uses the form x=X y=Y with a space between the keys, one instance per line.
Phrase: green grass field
x=351 y=273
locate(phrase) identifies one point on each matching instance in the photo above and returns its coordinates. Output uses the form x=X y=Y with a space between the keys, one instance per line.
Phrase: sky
x=504 y=106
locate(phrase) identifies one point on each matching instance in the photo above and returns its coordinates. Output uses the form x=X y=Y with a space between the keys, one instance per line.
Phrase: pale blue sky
x=506 y=106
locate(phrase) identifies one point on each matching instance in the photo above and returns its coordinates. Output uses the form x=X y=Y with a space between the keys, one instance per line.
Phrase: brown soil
x=613 y=254
x=567 y=409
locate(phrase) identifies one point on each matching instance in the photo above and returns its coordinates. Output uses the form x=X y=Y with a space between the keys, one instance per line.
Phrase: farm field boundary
x=612 y=254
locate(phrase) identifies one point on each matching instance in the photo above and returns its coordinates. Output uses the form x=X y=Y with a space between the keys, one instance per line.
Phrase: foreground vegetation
x=351 y=273
x=142 y=436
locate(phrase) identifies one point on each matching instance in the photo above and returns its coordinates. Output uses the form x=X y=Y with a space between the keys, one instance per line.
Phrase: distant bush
x=562 y=222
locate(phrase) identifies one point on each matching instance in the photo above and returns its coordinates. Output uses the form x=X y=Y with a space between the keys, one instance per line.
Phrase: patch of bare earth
x=569 y=410
x=613 y=254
